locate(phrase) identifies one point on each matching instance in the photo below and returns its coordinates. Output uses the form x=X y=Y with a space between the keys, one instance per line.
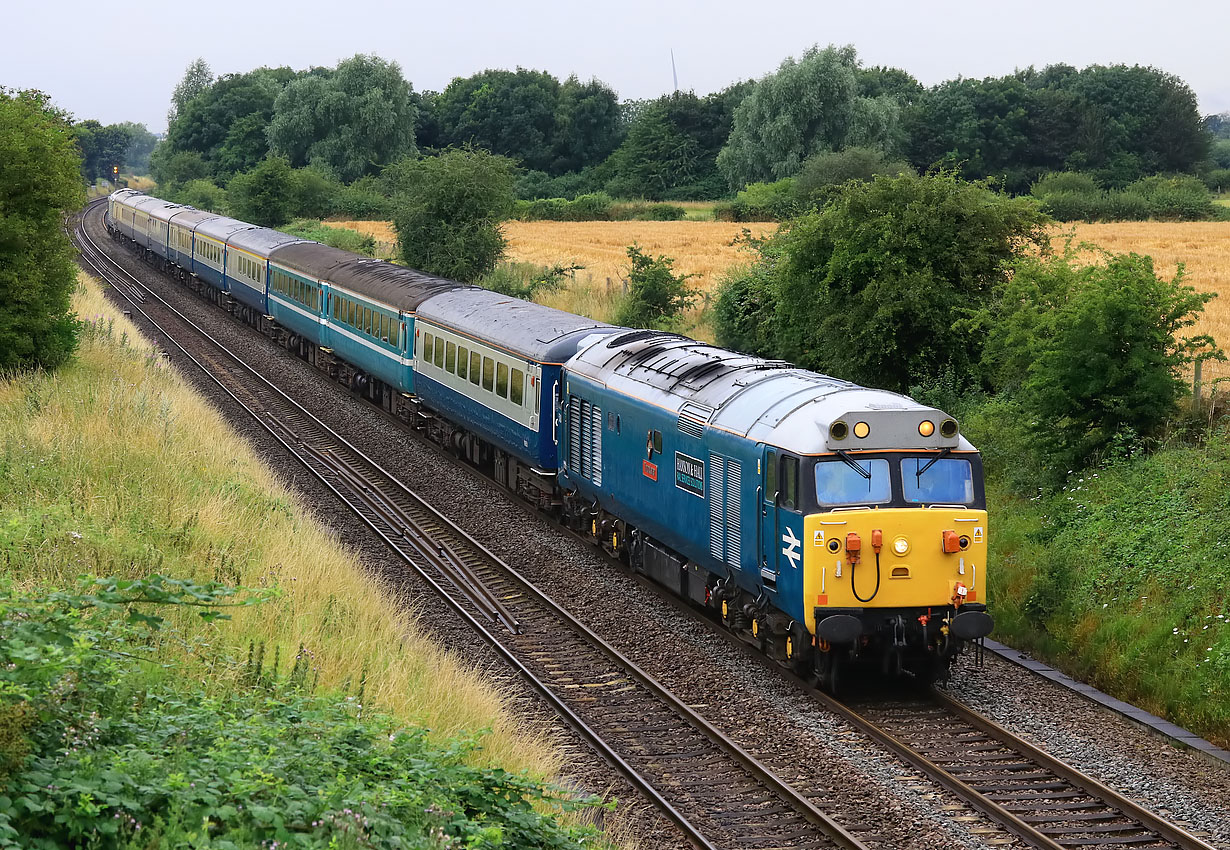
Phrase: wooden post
x=1196 y=387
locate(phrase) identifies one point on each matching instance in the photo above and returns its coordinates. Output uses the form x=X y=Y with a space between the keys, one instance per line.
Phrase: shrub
x=339 y=237
x=125 y=758
x=1180 y=198
x=525 y=280
x=823 y=172
x=1075 y=206
x=1218 y=180
x=203 y=194
x=448 y=210
x=263 y=195
x=873 y=287
x=1093 y=351
x=364 y=200
x=1126 y=205
x=641 y=211
x=314 y=194
x=1065 y=181
x=656 y=295
x=745 y=314
x=775 y=201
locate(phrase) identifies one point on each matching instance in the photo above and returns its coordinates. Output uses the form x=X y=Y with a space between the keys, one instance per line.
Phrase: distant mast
x=674 y=73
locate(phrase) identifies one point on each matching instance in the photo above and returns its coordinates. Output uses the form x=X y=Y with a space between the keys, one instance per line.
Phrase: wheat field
x=704 y=248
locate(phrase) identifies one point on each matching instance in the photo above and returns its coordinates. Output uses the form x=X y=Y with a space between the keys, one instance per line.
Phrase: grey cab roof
x=531 y=330
x=768 y=401
x=262 y=240
x=222 y=227
x=399 y=287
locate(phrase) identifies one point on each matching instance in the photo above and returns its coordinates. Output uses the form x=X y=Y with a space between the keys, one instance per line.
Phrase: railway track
x=706 y=784
x=1039 y=799
x=1035 y=798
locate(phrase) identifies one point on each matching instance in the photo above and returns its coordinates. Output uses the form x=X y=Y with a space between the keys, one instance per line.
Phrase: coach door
x=781 y=548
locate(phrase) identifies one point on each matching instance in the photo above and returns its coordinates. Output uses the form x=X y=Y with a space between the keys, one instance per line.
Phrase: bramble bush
x=101 y=747
x=656 y=295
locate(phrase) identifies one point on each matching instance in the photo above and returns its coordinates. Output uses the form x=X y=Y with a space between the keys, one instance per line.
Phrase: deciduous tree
x=40 y=181
x=352 y=121
x=448 y=210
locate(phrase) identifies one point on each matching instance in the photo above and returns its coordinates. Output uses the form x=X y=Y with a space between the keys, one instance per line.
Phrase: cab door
x=781 y=519
x=768 y=518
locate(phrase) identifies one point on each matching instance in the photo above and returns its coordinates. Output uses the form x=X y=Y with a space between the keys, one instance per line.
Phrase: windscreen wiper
x=853 y=464
x=933 y=461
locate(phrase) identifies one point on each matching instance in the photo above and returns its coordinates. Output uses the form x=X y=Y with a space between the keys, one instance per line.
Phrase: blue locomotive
x=824 y=521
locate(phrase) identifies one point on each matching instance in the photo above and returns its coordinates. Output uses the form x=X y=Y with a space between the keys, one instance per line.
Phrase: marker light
x=926 y=427
x=948 y=428
x=901 y=545
x=838 y=430
x=861 y=429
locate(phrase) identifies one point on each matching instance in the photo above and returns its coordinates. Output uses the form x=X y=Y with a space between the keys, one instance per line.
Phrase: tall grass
x=112 y=466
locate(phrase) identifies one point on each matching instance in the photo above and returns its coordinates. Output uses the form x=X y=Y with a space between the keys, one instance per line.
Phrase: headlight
x=901 y=545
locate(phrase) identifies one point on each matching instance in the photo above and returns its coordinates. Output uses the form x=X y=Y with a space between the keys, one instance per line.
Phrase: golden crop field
x=703 y=247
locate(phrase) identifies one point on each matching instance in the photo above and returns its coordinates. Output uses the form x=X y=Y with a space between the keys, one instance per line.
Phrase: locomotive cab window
x=789 y=483
x=770 y=477
x=653 y=443
x=948 y=480
x=849 y=481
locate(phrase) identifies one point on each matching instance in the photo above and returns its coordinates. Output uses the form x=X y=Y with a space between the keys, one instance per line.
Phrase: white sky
x=120 y=62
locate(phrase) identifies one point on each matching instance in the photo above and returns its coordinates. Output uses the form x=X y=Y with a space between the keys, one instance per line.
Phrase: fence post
x=1196 y=387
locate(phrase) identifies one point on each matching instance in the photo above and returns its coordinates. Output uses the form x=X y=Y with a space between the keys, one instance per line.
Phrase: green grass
x=113 y=467
x=1123 y=579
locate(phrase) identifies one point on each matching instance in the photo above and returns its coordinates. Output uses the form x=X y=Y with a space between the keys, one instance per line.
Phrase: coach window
x=476 y=364
x=501 y=380
x=488 y=374
x=439 y=353
x=516 y=389
x=790 y=483
x=429 y=347
x=463 y=360
x=350 y=314
x=450 y=357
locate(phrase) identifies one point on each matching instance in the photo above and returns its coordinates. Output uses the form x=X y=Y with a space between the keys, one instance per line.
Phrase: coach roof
x=531 y=330
x=262 y=240
x=396 y=286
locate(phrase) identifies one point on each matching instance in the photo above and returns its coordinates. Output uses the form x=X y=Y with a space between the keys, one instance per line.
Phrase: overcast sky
x=120 y=62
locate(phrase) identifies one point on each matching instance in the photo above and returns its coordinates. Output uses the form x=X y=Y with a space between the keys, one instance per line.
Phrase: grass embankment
x=114 y=467
x=1123 y=580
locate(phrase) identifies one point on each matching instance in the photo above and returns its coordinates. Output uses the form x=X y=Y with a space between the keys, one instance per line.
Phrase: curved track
x=700 y=779
x=1034 y=797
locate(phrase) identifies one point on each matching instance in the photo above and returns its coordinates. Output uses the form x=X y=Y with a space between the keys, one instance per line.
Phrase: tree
x=40 y=181
x=588 y=125
x=510 y=113
x=874 y=288
x=197 y=78
x=1092 y=350
x=141 y=144
x=656 y=295
x=809 y=105
x=352 y=121
x=671 y=148
x=1218 y=125
x=263 y=195
x=102 y=148
x=224 y=126
x=448 y=209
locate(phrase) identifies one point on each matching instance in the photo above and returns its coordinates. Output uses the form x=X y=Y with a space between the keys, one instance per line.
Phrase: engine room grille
x=585 y=439
x=725 y=522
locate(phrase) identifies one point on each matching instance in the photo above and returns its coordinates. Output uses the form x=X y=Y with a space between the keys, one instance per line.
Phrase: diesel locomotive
x=826 y=522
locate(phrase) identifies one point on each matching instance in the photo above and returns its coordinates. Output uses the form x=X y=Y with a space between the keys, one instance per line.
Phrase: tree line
x=1117 y=123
